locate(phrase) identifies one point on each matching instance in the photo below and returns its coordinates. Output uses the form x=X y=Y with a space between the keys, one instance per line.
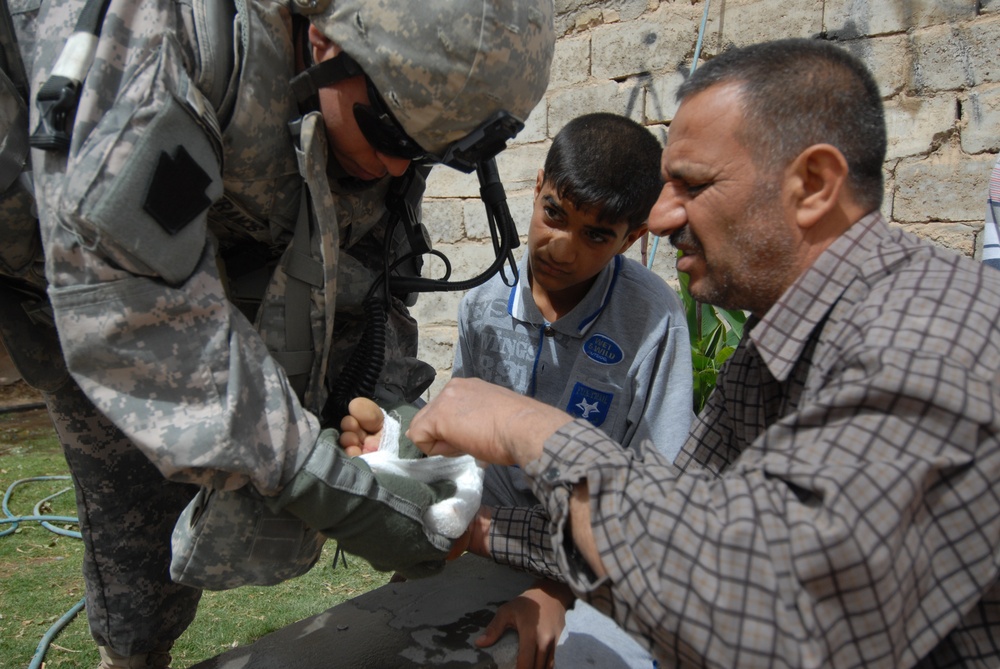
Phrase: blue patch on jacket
x=590 y=404
x=603 y=349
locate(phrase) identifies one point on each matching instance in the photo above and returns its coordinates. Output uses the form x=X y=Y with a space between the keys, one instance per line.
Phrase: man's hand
x=490 y=423
x=539 y=616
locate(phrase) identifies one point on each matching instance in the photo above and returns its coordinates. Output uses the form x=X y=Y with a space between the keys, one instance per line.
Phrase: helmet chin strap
x=473 y=152
x=306 y=84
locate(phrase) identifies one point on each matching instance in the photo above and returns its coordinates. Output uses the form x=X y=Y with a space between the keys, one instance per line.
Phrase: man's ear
x=631 y=238
x=322 y=47
x=816 y=181
x=539 y=180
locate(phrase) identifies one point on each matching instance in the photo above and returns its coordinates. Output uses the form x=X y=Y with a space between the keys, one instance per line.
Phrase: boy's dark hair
x=800 y=92
x=606 y=164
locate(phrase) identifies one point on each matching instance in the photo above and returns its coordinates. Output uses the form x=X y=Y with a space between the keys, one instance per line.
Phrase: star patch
x=176 y=194
x=590 y=404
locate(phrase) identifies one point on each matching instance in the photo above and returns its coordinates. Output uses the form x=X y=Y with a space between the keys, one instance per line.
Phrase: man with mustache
x=835 y=503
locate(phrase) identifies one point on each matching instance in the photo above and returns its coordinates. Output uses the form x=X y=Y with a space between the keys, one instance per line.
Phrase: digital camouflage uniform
x=181 y=180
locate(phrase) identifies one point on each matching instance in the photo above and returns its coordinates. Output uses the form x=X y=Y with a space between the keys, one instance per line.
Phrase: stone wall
x=937 y=61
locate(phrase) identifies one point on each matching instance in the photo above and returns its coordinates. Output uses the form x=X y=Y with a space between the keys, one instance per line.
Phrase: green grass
x=41 y=579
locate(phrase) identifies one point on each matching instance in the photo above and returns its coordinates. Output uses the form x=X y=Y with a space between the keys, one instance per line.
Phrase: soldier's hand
x=361 y=428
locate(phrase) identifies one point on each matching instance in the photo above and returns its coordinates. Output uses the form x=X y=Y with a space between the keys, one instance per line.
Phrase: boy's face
x=567 y=247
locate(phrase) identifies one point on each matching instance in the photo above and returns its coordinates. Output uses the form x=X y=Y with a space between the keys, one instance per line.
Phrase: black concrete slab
x=424 y=623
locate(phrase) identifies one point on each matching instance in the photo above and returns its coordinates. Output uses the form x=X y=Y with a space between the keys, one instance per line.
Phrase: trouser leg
x=127 y=512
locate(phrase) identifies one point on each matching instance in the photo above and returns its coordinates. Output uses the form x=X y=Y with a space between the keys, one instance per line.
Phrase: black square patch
x=176 y=194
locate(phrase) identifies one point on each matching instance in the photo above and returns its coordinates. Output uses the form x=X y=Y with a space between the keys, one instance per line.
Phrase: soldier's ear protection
x=384 y=132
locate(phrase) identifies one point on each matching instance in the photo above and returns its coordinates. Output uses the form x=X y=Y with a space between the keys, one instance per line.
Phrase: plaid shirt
x=838 y=504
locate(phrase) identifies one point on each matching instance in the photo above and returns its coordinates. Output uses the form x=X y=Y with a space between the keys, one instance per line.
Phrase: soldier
x=215 y=185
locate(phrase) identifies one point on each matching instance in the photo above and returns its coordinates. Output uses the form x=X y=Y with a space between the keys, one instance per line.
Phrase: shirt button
x=551 y=474
x=549 y=332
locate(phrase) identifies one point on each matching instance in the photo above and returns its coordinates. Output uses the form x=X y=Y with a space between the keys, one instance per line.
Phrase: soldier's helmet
x=457 y=75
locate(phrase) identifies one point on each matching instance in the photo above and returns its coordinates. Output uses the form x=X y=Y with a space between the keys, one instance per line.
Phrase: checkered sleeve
x=838 y=504
x=850 y=534
x=519 y=538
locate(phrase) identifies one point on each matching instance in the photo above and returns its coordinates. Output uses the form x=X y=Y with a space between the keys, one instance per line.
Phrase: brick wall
x=937 y=61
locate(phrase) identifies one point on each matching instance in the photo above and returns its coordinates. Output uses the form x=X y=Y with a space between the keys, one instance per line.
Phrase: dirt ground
x=13 y=391
x=18 y=394
x=20 y=403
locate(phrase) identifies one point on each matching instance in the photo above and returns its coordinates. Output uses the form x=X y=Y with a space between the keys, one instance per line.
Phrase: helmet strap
x=306 y=84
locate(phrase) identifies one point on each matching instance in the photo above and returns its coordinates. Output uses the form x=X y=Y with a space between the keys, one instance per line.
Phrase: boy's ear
x=539 y=180
x=631 y=237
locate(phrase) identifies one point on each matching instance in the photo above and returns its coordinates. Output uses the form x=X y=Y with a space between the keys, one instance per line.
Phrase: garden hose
x=46 y=522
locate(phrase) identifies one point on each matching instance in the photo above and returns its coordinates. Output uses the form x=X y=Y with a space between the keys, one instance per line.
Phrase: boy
x=586 y=330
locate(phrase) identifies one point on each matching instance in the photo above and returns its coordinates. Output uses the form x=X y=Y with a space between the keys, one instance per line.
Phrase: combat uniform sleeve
x=143 y=317
x=851 y=531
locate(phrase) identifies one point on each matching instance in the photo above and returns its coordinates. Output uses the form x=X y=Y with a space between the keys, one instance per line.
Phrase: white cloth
x=450 y=517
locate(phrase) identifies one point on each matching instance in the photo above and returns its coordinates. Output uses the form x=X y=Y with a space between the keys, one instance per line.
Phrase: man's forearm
x=583 y=535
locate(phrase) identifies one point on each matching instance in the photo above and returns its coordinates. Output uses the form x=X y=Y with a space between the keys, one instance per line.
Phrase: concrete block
x=444 y=220
x=659 y=40
x=468 y=259
x=571 y=62
x=955 y=56
x=916 y=125
x=588 y=18
x=984 y=52
x=957 y=237
x=441 y=307
x=981 y=116
x=536 y=127
x=660 y=131
x=516 y=164
x=446 y=182
x=619 y=98
x=437 y=348
x=948 y=186
x=567 y=6
x=847 y=19
x=519 y=165
x=989 y=6
x=889 y=184
x=888 y=58
x=661 y=105
x=519 y=203
x=629 y=10
x=749 y=21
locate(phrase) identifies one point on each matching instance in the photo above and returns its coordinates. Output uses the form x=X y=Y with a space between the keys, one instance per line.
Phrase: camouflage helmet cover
x=445 y=66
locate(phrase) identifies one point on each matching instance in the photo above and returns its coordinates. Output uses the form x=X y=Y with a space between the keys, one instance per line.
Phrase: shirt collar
x=782 y=334
x=521 y=305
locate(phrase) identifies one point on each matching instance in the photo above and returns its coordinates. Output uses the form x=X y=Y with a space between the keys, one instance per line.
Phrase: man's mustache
x=684 y=237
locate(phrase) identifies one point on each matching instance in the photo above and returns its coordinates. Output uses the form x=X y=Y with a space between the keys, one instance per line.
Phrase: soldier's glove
x=378 y=517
